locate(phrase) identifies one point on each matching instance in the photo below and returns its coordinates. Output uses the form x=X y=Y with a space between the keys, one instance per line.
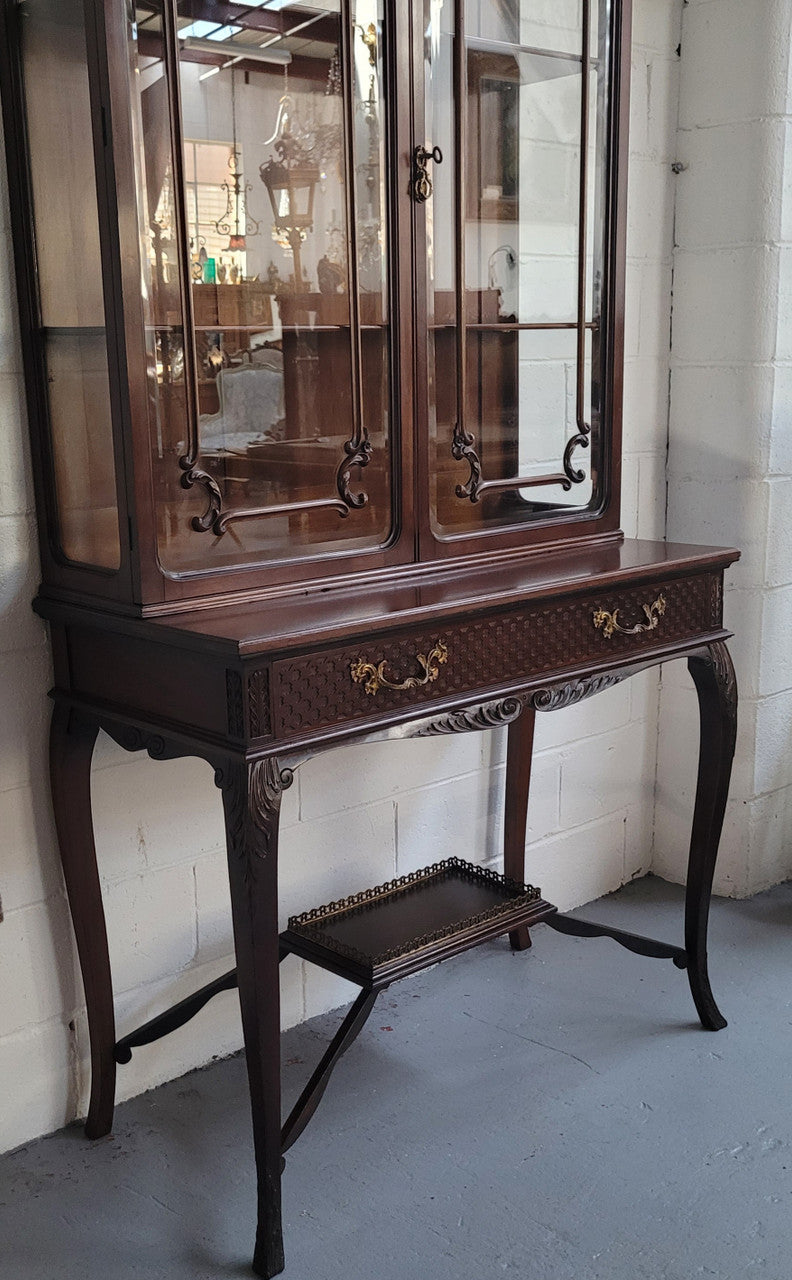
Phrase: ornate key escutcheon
x=372 y=675
x=422 y=183
x=609 y=625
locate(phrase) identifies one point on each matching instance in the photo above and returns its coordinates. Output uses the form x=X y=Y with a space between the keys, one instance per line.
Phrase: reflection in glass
x=69 y=270
x=266 y=290
x=539 y=24
x=519 y=397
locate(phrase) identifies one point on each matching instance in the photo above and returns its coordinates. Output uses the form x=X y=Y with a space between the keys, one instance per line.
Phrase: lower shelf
x=387 y=933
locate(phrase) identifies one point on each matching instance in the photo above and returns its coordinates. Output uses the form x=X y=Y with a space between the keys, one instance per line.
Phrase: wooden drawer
x=320 y=690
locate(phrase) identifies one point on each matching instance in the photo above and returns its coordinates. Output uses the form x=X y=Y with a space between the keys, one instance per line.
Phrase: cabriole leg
x=72 y=742
x=252 y=799
x=713 y=673
x=519 y=756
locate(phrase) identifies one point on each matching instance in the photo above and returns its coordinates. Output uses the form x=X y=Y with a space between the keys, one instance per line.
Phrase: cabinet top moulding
x=254 y=624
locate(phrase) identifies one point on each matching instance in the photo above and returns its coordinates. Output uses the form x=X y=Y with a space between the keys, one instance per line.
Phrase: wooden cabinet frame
x=255 y=669
x=141 y=584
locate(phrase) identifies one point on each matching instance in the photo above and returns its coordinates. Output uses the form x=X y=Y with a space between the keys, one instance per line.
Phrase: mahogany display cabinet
x=322 y=306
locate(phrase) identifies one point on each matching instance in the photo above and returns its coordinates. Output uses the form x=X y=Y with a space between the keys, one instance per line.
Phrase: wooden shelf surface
x=403 y=926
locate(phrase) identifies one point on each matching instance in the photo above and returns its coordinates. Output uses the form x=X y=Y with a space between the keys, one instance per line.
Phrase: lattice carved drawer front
x=449 y=659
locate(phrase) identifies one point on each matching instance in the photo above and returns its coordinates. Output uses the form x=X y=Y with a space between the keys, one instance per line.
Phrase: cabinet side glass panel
x=263 y=206
x=517 y=259
x=71 y=335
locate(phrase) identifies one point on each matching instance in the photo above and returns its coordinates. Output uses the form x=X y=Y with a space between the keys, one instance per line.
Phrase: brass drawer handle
x=608 y=623
x=373 y=675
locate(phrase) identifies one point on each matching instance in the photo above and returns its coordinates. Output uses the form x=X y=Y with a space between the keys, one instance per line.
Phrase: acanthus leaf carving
x=490 y=715
x=265 y=792
x=720 y=661
x=258 y=693
x=252 y=795
x=568 y=694
x=236 y=703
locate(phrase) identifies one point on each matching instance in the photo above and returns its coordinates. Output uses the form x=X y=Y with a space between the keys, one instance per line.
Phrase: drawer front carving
x=258 y=692
x=319 y=690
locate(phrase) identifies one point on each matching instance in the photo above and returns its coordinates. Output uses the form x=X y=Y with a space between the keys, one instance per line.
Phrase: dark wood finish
x=573 y=927
x=57 y=572
x=252 y=667
x=316 y=691
x=400 y=928
x=177 y=1016
x=519 y=758
x=72 y=740
x=305 y=1107
x=716 y=685
x=609 y=337
x=223 y=707
x=251 y=799
x=141 y=582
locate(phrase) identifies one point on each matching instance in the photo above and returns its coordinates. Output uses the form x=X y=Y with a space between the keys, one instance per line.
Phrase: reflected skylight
x=203 y=30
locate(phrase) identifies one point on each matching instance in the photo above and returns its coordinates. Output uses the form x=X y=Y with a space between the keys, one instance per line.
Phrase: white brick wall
x=653 y=121
x=354 y=817
x=730 y=461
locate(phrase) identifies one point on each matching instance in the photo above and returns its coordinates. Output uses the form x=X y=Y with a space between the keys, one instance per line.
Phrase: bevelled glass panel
x=265 y=241
x=541 y=24
x=73 y=338
x=516 y=345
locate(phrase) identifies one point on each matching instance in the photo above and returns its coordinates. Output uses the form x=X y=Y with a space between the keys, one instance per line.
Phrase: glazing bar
x=582 y=426
x=172 y=74
x=511 y=48
x=356 y=347
x=461 y=142
x=517 y=326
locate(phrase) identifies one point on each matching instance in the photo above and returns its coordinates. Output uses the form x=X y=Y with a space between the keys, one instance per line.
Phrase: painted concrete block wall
x=730 y=460
x=356 y=817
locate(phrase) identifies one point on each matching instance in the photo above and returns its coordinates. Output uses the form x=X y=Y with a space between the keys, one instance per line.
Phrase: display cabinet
x=322 y=307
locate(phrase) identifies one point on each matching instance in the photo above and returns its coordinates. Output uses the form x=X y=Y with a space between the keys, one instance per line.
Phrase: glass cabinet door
x=71 y=336
x=516 y=101
x=263 y=179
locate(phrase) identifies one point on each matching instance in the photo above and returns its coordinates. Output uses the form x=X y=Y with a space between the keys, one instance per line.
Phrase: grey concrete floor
x=556 y=1115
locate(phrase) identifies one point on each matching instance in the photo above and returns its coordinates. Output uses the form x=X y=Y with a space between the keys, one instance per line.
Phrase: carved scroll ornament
x=491 y=715
x=557 y=696
x=252 y=795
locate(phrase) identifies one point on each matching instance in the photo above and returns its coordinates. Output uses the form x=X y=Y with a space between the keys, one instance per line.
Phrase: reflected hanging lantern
x=237 y=222
x=291 y=186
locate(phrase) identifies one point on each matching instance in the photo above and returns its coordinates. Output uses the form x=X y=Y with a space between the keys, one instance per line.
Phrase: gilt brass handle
x=372 y=675
x=609 y=625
